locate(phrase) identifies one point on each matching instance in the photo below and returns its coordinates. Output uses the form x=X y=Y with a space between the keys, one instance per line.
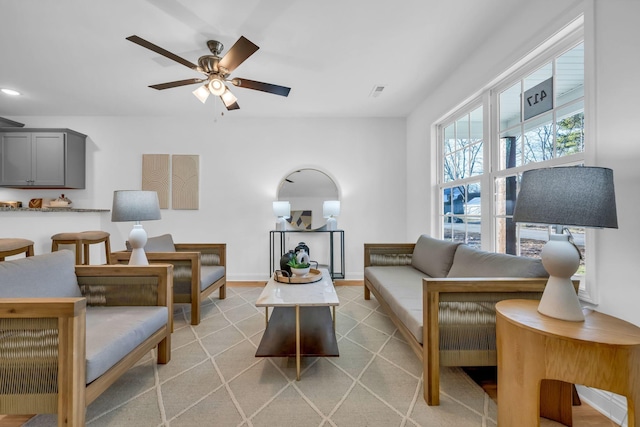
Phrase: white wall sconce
x=283 y=211
x=330 y=210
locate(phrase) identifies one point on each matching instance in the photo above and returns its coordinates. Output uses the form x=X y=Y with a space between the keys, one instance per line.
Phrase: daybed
x=198 y=268
x=441 y=296
x=67 y=332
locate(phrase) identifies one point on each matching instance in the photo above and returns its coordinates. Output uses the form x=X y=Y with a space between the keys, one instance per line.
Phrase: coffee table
x=302 y=322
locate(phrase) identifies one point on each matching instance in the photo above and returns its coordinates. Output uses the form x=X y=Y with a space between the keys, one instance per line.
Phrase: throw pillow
x=432 y=256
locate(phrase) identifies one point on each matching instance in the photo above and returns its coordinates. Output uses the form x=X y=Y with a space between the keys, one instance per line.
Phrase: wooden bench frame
x=432 y=289
x=73 y=394
x=191 y=253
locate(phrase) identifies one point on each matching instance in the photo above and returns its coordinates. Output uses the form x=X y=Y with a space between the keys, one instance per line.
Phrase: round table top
x=596 y=328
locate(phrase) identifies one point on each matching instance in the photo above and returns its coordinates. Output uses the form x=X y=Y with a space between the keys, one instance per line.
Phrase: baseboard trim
x=611 y=405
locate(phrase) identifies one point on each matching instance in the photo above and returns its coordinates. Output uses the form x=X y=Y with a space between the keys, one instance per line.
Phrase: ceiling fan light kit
x=217 y=70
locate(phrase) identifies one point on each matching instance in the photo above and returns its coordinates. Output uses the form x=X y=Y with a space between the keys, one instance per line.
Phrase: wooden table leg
x=334 y=318
x=266 y=317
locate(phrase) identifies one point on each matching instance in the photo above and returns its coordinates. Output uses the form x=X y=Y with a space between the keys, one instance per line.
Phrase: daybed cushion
x=210 y=274
x=432 y=256
x=113 y=332
x=43 y=276
x=469 y=262
x=401 y=288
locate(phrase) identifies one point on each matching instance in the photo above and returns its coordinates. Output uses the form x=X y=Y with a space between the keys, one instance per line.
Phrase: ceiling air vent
x=376 y=91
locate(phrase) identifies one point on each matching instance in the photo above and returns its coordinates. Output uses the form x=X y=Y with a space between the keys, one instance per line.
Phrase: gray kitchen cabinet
x=42 y=158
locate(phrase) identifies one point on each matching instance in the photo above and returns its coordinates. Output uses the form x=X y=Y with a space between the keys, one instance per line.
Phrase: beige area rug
x=214 y=378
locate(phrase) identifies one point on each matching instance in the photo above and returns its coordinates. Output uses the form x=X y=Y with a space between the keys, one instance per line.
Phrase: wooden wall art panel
x=185 y=185
x=155 y=176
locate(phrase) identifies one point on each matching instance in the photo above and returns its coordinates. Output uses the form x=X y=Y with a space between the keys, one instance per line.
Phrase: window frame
x=488 y=98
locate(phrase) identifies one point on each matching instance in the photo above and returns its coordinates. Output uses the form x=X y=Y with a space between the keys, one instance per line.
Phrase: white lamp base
x=559 y=299
x=137 y=240
x=281 y=224
x=332 y=224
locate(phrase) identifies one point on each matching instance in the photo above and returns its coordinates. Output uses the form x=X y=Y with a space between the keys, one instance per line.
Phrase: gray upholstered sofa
x=199 y=269
x=67 y=332
x=441 y=296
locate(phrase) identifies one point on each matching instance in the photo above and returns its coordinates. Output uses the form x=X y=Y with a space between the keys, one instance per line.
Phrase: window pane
x=475 y=159
x=449 y=139
x=510 y=107
x=449 y=168
x=570 y=129
x=510 y=150
x=538 y=139
x=506 y=238
x=570 y=75
x=532 y=239
x=538 y=76
x=462 y=131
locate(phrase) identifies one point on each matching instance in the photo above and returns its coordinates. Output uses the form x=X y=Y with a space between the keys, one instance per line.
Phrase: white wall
x=241 y=164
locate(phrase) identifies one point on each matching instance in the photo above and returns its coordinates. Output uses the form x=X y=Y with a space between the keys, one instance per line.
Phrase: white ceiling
x=70 y=57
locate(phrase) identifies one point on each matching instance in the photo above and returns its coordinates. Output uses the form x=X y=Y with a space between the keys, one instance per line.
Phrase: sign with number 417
x=538 y=99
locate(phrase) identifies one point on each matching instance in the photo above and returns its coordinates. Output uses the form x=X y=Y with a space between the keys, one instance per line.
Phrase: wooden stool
x=10 y=247
x=82 y=240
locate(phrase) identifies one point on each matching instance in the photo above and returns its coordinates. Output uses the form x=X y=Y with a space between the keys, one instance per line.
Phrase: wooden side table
x=601 y=352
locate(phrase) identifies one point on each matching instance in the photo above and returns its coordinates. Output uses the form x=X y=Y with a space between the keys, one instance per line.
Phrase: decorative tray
x=282 y=277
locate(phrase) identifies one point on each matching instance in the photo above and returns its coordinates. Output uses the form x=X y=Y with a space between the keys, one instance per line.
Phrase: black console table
x=279 y=236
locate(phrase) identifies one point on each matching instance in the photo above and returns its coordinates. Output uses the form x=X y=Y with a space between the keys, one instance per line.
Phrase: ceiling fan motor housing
x=208 y=63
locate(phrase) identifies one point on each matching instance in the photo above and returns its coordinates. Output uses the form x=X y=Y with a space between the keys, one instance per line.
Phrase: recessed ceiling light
x=10 y=92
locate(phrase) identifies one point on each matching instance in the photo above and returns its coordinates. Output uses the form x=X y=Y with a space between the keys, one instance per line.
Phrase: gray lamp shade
x=575 y=195
x=134 y=205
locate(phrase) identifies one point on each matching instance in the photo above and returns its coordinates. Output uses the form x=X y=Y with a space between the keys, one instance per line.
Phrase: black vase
x=302 y=246
x=284 y=261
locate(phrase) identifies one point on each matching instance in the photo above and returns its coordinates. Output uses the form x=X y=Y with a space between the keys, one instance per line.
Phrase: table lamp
x=330 y=210
x=566 y=196
x=133 y=205
x=283 y=211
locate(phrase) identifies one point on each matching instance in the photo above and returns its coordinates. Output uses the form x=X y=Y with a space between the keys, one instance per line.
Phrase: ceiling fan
x=217 y=70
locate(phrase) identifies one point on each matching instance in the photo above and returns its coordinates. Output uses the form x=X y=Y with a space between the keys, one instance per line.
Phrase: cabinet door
x=15 y=159
x=47 y=159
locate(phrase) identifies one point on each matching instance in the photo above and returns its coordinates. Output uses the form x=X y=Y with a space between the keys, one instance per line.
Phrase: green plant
x=295 y=264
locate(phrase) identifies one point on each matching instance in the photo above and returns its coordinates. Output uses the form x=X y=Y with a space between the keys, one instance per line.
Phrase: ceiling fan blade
x=239 y=52
x=233 y=106
x=229 y=100
x=264 y=87
x=142 y=42
x=177 y=83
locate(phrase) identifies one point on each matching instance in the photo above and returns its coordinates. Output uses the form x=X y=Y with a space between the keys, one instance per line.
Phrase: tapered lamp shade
x=568 y=196
x=134 y=205
x=575 y=195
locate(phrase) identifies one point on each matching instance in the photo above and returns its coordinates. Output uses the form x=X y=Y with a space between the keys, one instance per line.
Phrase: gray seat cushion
x=401 y=288
x=469 y=262
x=432 y=256
x=209 y=274
x=41 y=276
x=113 y=332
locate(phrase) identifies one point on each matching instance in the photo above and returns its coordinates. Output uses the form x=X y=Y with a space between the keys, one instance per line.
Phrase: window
x=551 y=138
x=537 y=120
x=463 y=164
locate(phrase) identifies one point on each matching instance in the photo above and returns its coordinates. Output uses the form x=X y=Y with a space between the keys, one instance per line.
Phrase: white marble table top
x=320 y=293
